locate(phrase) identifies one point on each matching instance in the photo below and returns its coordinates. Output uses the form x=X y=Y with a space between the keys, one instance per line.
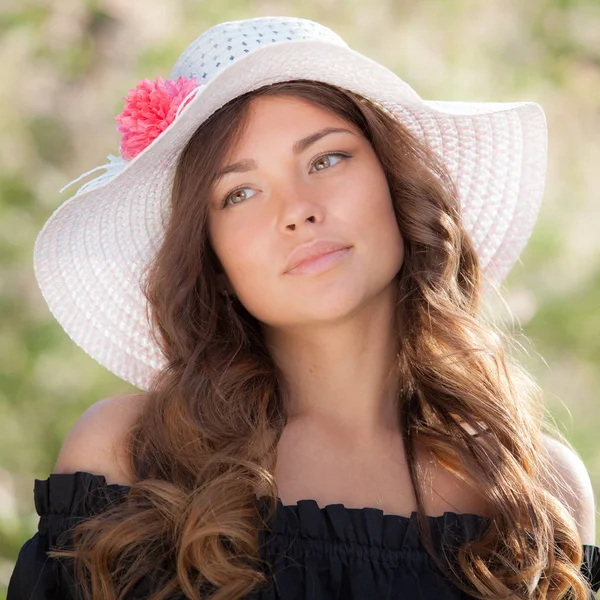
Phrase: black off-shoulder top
x=316 y=553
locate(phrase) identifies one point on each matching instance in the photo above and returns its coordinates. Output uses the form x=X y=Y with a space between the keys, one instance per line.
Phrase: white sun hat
x=89 y=256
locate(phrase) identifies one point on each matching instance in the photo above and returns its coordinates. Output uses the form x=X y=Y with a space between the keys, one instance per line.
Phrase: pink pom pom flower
x=149 y=109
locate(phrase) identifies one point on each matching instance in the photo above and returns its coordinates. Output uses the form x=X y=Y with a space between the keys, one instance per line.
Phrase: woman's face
x=289 y=183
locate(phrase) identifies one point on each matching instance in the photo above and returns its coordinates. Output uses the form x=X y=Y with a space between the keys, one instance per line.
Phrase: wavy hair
x=206 y=440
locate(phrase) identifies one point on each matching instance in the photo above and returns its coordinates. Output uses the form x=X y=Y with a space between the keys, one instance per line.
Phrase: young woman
x=288 y=258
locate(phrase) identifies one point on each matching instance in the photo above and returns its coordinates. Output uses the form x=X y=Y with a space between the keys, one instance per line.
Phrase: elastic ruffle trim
x=300 y=530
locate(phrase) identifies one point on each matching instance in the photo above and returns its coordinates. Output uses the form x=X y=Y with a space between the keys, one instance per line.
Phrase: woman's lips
x=319 y=263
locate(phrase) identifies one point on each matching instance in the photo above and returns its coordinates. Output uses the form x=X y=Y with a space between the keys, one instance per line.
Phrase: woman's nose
x=299 y=204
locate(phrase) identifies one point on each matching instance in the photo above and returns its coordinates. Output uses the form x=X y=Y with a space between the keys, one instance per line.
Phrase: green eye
x=325 y=161
x=321 y=163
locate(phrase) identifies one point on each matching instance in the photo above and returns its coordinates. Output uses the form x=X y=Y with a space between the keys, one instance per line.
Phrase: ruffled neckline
x=83 y=494
x=343 y=526
x=334 y=529
x=80 y=492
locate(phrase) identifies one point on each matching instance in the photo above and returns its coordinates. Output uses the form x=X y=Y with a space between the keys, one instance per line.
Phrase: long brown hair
x=207 y=437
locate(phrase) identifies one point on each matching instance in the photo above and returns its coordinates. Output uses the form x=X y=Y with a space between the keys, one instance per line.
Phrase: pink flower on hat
x=149 y=109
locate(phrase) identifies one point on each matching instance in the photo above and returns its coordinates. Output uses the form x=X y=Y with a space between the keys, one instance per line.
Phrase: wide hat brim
x=89 y=256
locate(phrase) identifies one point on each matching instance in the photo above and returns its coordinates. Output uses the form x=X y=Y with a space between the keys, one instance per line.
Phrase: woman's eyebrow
x=243 y=166
x=304 y=143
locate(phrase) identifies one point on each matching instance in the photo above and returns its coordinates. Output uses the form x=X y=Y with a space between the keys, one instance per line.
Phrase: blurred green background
x=65 y=65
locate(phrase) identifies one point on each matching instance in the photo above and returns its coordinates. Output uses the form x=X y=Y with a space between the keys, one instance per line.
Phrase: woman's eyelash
x=315 y=160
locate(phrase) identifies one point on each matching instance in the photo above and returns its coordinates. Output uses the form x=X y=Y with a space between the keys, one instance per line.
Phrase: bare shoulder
x=96 y=443
x=573 y=486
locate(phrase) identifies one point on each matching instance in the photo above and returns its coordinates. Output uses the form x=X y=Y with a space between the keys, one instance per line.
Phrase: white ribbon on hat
x=112 y=168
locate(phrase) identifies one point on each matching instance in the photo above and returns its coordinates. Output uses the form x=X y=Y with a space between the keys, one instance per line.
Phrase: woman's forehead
x=286 y=119
x=282 y=105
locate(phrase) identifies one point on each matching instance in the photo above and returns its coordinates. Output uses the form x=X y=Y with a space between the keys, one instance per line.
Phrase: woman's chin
x=321 y=311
